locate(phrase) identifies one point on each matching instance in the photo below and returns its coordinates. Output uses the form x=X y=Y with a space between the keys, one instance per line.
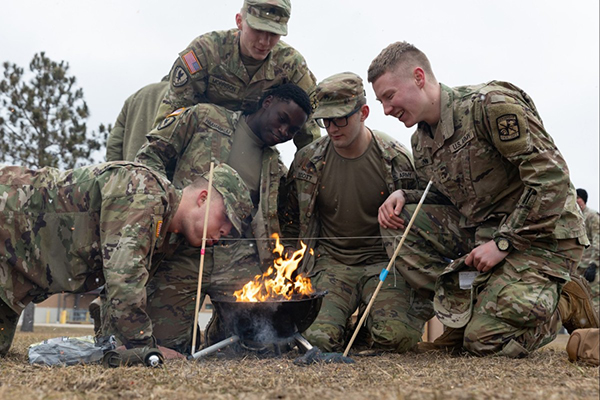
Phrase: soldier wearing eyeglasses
x=334 y=189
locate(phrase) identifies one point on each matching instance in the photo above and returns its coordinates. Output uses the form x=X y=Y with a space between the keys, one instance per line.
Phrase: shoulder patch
x=508 y=127
x=191 y=62
x=166 y=122
x=179 y=77
x=218 y=127
x=508 y=123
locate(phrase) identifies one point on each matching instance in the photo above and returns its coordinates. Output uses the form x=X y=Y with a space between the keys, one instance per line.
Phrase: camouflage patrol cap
x=454 y=295
x=268 y=15
x=236 y=194
x=338 y=95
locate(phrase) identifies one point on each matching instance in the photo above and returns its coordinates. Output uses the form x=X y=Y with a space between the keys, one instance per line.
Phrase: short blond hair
x=398 y=54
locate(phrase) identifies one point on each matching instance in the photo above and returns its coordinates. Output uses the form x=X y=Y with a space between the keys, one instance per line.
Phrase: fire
x=277 y=283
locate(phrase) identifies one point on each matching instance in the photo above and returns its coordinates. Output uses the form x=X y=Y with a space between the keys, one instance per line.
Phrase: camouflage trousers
x=8 y=326
x=395 y=321
x=172 y=290
x=510 y=310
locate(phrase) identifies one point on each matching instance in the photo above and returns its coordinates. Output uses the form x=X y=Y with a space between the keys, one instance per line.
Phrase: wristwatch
x=503 y=244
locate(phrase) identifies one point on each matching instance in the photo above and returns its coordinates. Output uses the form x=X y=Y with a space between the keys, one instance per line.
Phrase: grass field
x=547 y=375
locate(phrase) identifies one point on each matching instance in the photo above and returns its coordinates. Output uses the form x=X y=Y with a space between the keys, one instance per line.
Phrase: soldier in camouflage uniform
x=334 y=189
x=182 y=147
x=588 y=267
x=134 y=122
x=76 y=230
x=234 y=68
x=514 y=231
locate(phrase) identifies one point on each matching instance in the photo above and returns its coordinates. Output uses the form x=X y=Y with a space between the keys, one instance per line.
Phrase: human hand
x=485 y=257
x=389 y=212
x=170 y=354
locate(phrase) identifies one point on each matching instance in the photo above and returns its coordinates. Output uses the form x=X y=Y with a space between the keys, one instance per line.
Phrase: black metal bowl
x=268 y=321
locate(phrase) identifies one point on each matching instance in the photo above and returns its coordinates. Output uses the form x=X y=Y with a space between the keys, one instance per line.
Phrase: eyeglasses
x=340 y=122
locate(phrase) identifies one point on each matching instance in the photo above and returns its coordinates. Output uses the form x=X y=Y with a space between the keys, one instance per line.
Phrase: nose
x=225 y=229
x=333 y=128
x=387 y=108
x=265 y=38
x=284 y=129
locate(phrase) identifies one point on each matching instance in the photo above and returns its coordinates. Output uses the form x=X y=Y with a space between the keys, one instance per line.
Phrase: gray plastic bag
x=69 y=351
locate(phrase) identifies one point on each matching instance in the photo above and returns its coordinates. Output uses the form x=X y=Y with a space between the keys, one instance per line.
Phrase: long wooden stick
x=387 y=270
x=201 y=269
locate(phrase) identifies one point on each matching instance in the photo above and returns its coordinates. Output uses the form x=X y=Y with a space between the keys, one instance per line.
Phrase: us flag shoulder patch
x=191 y=62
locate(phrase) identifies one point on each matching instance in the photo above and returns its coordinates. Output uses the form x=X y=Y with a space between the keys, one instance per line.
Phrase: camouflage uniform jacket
x=592 y=227
x=134 y=122
x=211 y=71
x=76 y=230
x=183 y=146
x=491 y=157
x=298 y=214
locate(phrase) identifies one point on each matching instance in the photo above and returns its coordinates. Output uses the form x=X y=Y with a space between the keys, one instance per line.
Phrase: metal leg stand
x=214 y=348
x=302 y=342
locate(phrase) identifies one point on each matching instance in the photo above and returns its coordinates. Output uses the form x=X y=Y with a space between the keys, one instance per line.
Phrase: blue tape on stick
x=383 y=275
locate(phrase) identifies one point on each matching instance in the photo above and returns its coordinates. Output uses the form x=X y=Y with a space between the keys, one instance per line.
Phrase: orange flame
x=277 y=283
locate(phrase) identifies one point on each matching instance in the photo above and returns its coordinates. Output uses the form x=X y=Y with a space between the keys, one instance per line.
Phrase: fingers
x=469 y=260
x=170 y=354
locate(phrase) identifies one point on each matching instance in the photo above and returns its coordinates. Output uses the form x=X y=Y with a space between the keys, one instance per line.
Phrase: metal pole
x=214 y=348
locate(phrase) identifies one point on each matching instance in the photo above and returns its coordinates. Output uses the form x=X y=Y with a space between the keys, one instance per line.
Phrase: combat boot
x=451 y=340
x=95 y=312
x=575 y=305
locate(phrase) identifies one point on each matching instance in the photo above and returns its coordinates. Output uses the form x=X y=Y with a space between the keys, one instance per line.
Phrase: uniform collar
x=236 y=65
x=445 y=126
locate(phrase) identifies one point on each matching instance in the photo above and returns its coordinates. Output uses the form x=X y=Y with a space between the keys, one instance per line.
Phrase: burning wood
x=278 y=282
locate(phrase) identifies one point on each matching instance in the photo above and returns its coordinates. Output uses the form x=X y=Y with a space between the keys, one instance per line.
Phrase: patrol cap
x=453 y=299
x=268 y=15
x=236 y=194
x=338 y=95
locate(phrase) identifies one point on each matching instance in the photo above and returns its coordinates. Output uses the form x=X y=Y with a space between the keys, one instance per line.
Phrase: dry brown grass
x=545 y=375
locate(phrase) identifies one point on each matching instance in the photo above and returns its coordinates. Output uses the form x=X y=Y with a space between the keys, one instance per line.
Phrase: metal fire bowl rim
x=231 y=299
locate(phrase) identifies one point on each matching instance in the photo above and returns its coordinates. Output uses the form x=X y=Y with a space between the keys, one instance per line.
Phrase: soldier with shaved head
x=73 y=231
x=513 y=230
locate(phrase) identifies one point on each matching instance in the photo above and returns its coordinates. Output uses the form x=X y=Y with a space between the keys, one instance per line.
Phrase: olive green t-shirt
x=252 y=65
x=350 y=194
x=246 y=158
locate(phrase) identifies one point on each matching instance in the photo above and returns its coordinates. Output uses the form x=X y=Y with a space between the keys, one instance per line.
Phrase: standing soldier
x=135 y=121
x=514 y=231
x=335 y=187
x=182 y=147
x=76 y=230
x=234 y=68
x=588 y=267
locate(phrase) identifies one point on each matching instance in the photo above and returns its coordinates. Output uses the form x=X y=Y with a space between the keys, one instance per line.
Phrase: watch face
x=503 y=244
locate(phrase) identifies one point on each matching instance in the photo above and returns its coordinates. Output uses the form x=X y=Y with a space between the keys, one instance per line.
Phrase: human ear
x=364 y=112
x=267 y=101
x=419 y=76
x=238 y=21
x=202 y=196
